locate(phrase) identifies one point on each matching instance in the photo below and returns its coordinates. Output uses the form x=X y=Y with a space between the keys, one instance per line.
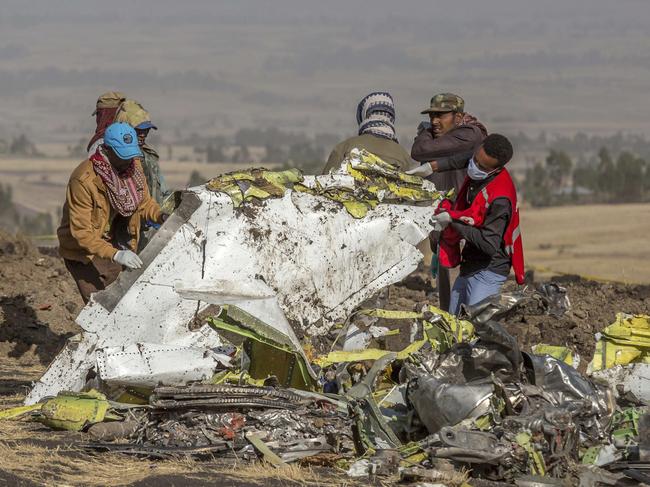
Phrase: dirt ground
x=38 y=303
x=594 y=305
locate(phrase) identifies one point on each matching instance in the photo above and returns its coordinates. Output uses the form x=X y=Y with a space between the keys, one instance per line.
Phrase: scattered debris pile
x=242 y=337
x=460 y=402
x=593 y=305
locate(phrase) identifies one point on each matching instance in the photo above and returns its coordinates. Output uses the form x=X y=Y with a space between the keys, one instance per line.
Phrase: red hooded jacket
x=501 y=186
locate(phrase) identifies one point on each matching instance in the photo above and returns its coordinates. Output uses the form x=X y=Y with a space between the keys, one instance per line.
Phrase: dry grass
x=608 y=242
x=260 y=473
x=69 y=466
x=33 y=453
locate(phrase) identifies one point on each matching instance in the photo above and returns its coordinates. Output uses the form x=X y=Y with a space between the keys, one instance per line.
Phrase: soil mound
x=38 y=302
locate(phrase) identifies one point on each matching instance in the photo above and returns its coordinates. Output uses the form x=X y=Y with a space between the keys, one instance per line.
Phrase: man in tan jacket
x=106 y=200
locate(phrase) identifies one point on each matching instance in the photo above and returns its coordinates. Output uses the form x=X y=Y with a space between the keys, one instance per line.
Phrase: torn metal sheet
x=625 y=341
x=561 y=353
x=564 y=387
x=150 y=365
x=300 y=263
x=626 y=380
x=555 y=298
x=493 y=307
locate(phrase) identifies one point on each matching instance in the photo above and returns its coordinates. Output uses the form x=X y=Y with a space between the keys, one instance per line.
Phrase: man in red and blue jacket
x=486 y=216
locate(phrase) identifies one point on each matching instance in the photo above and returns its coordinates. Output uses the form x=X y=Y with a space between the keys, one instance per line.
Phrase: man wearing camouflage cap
x=451 y=135
x=136 y=116
x=105 y=109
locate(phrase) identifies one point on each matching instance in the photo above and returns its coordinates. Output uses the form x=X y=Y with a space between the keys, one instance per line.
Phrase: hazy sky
x=212 y=67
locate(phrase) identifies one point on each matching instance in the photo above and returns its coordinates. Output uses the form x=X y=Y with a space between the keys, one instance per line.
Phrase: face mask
x=475 y=173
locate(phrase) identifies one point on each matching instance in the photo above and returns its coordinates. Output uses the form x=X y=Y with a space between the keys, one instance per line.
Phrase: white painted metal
x=299 y=263
x=150 y=365
x=633 y=378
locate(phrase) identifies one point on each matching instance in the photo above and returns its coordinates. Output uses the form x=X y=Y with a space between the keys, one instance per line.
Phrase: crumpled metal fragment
x=439 y=404
x=565 y=388
x=495 y=353
x=472 y=447
x=555 y=299
x=492 y=307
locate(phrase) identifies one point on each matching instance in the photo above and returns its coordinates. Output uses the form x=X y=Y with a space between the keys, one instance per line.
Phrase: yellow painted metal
x=561 y=353
x=625 y=341
x=74 y=411
x=19 y=412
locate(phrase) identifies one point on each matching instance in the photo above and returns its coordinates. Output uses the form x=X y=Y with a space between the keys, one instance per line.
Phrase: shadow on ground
x=20 y=326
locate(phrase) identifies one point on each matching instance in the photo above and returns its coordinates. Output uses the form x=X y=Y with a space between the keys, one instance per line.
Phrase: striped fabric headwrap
x=376 y=115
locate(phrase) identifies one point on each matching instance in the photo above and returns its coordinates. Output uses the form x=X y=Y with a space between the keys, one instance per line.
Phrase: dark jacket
x=387 y=150
x=464 y=139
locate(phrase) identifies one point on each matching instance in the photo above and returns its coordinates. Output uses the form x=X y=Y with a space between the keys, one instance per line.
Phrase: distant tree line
x=603 y=179
x=20 y=146
x=581 y=145
x=308 y=153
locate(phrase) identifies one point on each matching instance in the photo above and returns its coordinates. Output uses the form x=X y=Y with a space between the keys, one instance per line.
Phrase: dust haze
x=210 y=68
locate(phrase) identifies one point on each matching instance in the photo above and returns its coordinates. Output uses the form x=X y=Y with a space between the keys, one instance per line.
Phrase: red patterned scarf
x=125 y=189
x=106 y=116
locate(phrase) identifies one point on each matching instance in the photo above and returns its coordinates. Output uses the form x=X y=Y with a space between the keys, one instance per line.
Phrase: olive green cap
x=446 y=102
x=135 y=115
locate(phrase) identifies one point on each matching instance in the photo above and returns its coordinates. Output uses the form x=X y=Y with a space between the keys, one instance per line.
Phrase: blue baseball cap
x=121 y=137
x=146 y=125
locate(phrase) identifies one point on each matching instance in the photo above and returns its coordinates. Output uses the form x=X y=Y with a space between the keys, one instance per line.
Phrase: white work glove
x=440 y=221
x=423 y=171
x=127 y=258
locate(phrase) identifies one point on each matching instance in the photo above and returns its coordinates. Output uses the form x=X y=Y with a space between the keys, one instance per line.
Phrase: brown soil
x=38 y=302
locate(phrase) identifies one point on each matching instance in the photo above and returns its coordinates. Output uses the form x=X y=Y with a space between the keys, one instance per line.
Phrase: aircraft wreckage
x=297 y=256
x=250 y=333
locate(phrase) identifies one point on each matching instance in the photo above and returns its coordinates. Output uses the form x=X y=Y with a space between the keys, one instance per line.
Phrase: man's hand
x=440 y=221
x=128 y=259
x=425 y=170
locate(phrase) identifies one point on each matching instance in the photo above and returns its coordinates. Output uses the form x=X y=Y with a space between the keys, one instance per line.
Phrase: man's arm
x=459 y=140
x=80 y=206
x=451 y=163
x=489 y=237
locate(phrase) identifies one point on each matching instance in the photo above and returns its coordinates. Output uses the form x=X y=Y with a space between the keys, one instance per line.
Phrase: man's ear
x=458 y=117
